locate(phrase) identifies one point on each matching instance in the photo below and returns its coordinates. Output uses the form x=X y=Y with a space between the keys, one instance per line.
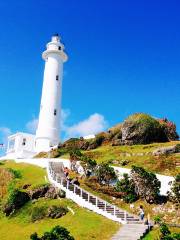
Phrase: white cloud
x=65 y=113
x=31 y=126
x=95 y=123
x=4 y=133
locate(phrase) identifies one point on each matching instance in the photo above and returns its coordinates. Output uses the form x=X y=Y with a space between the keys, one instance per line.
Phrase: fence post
x=125 y=216
x=74 y=189
x=67 y=185
x=81 y=192
x=105 y=206
x=114 y=210
x=96 y=202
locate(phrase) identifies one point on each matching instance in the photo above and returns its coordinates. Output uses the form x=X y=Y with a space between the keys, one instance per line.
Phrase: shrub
x=38 y=213
x=105 y=173
x=15 y=173
x=57 y=233
x=109 y=190
x=175 y=195
x=126 y=185
x=146 y=184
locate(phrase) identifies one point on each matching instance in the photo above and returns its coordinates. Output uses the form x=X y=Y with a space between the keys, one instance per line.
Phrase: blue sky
x=124 y=57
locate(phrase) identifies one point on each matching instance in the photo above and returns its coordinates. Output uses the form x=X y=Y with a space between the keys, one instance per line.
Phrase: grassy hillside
x=83 y=225
x=139 y=155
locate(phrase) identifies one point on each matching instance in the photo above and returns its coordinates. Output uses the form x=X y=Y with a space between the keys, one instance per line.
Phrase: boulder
x=166 y=150
x=56 y=211
x=38 y=192
x=142 y=129
x=51 y=193
x=16 y=200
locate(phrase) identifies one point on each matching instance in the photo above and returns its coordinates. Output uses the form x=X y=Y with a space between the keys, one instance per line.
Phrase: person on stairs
x=141 y=212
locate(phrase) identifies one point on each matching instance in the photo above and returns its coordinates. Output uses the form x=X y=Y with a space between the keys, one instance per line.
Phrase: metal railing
x=90 y=198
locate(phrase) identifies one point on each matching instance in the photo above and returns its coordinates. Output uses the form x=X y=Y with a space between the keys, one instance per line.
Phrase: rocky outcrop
x=56 y=211
x=38 y=192
x=52 y=193
x=16 y=200
x=138 y=128
x=167 y=150
x=44 y=191
x=142 y=129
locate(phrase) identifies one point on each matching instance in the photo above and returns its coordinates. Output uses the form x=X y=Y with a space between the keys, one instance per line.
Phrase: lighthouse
x=48 y=130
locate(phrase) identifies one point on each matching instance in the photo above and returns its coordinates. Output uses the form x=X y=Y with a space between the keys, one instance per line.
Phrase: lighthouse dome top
x=55 y=47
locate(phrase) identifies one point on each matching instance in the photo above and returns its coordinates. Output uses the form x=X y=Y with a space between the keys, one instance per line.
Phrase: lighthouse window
x=57 y=77
x=55 y=112
x=24 y=142
x=59 y=48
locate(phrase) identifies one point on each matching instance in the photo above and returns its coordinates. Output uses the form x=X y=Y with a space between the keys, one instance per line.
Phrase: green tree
x=57 y=233
x=147 y=185
x=175 y=195
x=126 y=185
x=105 y=173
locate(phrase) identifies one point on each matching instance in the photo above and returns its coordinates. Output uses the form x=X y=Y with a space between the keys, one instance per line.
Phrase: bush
x=57 y=233
x=146 y=184
x=105 y=173
x=38 y=213
x=126 y=185
x=15 y=173
x=175 y=195
x=109 y=190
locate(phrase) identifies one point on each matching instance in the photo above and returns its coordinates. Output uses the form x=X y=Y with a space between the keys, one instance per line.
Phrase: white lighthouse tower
x=48 y=131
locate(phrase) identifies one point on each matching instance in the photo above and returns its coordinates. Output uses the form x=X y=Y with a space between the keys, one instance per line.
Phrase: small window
x=55 y=112
x=24 y=142
x=59 y=48
x=57 y=77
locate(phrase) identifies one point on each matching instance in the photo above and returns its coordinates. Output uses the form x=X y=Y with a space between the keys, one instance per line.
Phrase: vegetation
x=57 y=233
x=127 y=186
x=146 y=184
x=83 y=224
x=139 y=155
x=105 y=173
x=175 y=195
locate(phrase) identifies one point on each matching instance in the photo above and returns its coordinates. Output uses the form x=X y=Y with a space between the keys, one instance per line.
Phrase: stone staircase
x=132 y=228
x=131 y=232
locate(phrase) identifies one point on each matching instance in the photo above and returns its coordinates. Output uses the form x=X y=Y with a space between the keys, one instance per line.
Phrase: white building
x=21 y=145
x=48 y=131
x=24 y=145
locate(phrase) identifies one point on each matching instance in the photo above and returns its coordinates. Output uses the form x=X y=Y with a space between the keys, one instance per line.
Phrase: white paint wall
x=48 y=130
x=162 y=178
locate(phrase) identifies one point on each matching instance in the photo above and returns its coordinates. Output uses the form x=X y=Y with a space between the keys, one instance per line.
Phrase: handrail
x=52 y=172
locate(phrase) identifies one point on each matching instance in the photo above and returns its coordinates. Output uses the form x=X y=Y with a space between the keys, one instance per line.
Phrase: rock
x=8 y=209
x=16 y=200
x=142 y=129
x=25 y=186
x=56 y=211
x=51 y=193
x=117 y=142
x=166 y=150
x=38 y=192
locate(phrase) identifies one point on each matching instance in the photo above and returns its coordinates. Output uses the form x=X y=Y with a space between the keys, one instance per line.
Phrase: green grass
x=83 y=225
x=155 y=233
x=30 y=174
x=163 y=165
